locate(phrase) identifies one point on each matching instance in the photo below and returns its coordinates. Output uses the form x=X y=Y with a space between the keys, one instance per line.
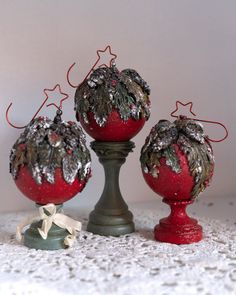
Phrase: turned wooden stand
x=111 y=216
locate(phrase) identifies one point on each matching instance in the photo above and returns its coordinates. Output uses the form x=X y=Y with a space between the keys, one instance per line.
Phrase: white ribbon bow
x=48 y=214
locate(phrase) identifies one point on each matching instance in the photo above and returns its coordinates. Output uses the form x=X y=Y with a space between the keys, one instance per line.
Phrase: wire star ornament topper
x=177 y=103
x=65 y=96
x=56 y=88
x=190 y=109
x=108 y=50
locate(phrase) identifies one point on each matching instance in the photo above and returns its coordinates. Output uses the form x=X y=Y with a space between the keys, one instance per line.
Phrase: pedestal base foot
x=110 y=225
x=55 y=237
x=178 y=233
x=178 y=227
x=54 y=241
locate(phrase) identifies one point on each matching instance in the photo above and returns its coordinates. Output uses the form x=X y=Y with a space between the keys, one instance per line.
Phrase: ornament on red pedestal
x=177 y=163
x=177 y=153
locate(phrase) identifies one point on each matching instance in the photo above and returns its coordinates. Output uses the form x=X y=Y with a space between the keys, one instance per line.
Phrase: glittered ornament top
x=168 y=140
x=107 y=89
x=46 y=145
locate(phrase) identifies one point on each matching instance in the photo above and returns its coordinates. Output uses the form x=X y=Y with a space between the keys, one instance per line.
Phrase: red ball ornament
x=57 y=193
x=169 y=184
x=115 y=128
x=111 y=105
x=50 y=162
x=177 y=163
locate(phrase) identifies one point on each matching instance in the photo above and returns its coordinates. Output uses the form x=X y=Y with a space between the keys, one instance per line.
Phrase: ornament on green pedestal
x=50 y=164
x=112 y=107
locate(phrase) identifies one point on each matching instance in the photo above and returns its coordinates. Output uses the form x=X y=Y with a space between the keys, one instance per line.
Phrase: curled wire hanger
x=41 y=106
x=108 y=47
x=200 y=120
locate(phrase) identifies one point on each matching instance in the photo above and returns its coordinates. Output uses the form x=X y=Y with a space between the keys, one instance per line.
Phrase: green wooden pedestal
x=54 y=241
x=111 y=216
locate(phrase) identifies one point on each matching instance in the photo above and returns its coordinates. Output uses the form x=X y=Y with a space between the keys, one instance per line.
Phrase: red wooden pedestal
x=178 y=227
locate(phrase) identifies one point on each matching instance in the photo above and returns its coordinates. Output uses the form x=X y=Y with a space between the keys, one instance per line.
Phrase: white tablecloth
x=131 y=264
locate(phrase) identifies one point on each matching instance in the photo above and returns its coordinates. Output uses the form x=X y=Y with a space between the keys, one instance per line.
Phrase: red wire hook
x=200 y=120
x=42 y=105
x=96 y=62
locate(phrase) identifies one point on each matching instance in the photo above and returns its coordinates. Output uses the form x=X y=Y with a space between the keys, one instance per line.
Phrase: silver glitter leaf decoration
x=36 y=173
x=70 y=167
x=44 y=145
x=166 y=134
x=19 y=160
x=82 y=105
x=137 y=79
x=31 y=154
x=122 y=101
x=172 y=159
x=54 y=139
x=48 y=173
x=102 y=106
x=192 y=129
x=44 y=152
x=107 y=89
x=200 y=162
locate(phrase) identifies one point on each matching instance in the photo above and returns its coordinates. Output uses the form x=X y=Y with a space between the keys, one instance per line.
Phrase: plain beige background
x=185 y=49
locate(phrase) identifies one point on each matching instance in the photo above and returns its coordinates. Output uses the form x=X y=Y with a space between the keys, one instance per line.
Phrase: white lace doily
x=131 y=264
